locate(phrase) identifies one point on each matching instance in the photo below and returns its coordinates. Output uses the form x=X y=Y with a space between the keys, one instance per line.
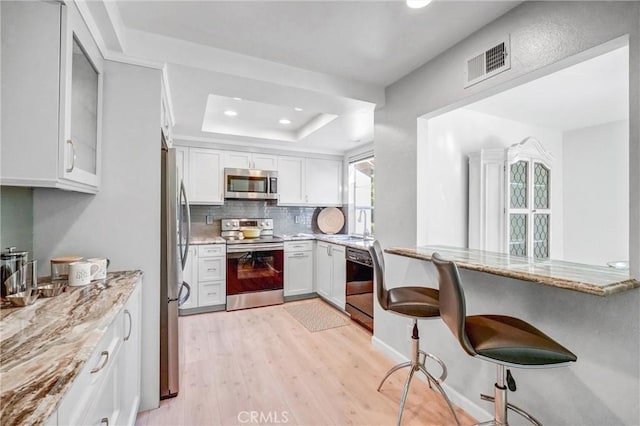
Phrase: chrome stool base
x=501 y=405
x=416 y=364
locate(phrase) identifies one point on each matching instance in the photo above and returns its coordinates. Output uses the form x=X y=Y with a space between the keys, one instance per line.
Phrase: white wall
x=545 y=36
x=596 y=193
x=122 y=221
x=443 y=153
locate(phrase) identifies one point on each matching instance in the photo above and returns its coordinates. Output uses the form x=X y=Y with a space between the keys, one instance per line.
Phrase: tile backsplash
x=286 y=220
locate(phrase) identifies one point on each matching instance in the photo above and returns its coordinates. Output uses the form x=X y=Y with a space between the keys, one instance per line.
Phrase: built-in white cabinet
x=206 y=273
x=309 y=181
x=331 y=273
x=205 y=176
x=166 y=123
x=250 y=160
x=298 y=267
x=510 y=200
x=52 y=73
x=107 y=389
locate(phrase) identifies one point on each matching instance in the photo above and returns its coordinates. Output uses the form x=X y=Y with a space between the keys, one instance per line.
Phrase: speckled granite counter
x=45 y=345
x=340 y=239
x=598 y=280
x=206 y=239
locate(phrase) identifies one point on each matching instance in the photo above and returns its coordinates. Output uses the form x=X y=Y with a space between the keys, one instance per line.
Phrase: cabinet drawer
x=211 y=269
x=211 y=293
x=290 y=246
x=90 y=380
x=212 y=250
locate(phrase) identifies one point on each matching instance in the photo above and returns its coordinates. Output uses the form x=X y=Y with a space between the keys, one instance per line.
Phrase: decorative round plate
x=330 y=220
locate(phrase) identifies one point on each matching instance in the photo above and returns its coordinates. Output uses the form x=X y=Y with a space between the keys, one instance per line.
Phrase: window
x=361 y=197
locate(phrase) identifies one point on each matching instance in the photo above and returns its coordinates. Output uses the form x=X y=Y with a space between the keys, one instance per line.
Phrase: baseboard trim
x=456 y=397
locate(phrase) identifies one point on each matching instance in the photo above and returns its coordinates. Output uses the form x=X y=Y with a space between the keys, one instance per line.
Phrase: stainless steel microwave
x=250 y=184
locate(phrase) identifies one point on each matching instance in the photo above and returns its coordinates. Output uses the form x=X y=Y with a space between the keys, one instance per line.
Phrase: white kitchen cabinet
x=107 y=389
x=298 y=268
x=250 y=160
x=129 y=367
x=166 y=123
x=190 y=276
x=331 y=273
x=52 y=73
x=205 y=176
x=291 y=181
x=509 y=200
x=212 y=275
x=323 y=182
x=309 y=181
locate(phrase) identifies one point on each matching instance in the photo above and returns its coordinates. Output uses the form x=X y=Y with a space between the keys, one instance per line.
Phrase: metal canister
x=12 y=280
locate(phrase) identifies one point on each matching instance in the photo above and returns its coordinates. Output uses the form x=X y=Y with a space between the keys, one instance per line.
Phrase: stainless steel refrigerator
x=175 y=229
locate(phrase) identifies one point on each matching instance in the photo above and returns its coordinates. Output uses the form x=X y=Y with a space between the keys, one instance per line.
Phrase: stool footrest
x=513 y=408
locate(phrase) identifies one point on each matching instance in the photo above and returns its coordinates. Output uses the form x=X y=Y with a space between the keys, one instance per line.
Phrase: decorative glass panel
x=518 y=184
x=540 y=186
x=518 y=234
x=541 y=235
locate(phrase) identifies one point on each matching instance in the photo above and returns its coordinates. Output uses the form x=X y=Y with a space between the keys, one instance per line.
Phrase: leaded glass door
x=529 y=200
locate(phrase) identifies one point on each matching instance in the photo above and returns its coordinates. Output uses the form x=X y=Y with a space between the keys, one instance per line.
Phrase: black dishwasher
x=359 y=287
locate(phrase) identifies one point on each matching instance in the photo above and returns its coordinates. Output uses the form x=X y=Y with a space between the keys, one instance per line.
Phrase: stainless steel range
x=255 y=266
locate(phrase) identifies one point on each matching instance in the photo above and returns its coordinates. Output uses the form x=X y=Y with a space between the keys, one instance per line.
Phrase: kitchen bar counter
x=598 y=280
x=45 y=345
x=345 y=240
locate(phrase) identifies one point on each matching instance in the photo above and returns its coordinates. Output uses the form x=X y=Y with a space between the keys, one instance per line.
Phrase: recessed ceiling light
x=237 y=99
x=417 y=4
x=285 y=121
x=297 y=108
x=230 y=113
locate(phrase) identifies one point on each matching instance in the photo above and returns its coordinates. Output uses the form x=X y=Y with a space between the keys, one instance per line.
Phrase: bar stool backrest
x=453 y=309
x=378 y=274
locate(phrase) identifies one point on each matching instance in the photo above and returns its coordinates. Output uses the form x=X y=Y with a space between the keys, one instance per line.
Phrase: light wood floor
x=264 y=360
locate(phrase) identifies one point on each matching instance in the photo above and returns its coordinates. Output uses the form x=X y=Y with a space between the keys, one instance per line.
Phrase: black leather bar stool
x=503 y=340
x=416 y=303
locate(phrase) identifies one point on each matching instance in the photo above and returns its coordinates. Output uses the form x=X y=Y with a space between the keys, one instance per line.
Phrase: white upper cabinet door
x=323 y=182
x=291 y=181
x=81 y=70
x=264 y=161
x=205 y=176
x=237 y=160
x=52 y=98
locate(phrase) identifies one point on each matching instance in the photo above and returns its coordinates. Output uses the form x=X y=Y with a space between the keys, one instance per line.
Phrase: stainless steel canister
x=12 y=279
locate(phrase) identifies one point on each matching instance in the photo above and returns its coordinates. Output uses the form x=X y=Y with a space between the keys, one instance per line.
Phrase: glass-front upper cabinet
x=81 y=107
x=528 y=199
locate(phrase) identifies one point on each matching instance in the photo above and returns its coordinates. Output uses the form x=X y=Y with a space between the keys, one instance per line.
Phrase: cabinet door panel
x=339 y=278
x=190 y=276
x=298 y=273
x=290 y=180
x=211 y=268
x=205 y=179
x=264 y=162
x=323 y=182
x=237 y=160
x=211 y=293
x=323 y=270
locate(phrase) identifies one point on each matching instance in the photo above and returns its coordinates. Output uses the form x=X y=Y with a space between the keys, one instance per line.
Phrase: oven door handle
x=245 y=248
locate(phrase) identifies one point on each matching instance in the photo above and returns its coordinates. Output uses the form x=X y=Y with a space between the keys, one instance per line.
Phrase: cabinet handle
x=211 y=269
x=105 y=420
x=104 y=354
x=130 y=325
x=73 y=157
x=299 y=254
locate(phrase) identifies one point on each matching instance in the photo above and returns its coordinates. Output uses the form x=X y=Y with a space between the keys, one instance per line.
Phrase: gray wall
x=542 y=34
x=16 y=218
x=122 y=221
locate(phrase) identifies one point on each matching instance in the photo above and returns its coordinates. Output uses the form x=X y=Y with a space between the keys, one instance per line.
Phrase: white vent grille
x=487 y=63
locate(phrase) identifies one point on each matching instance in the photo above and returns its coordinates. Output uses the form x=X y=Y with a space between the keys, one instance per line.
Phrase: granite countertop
x=45 y=345
x=345 y=240
x=206 y=239
x=592 y=279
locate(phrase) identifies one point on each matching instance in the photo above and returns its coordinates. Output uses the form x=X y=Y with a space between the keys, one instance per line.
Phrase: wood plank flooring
x=264 y=361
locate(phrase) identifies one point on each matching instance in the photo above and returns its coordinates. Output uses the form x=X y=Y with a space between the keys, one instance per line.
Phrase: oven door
x=254 y=268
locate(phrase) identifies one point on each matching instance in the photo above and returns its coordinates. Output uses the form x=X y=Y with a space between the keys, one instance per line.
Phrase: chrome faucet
x=365 y=232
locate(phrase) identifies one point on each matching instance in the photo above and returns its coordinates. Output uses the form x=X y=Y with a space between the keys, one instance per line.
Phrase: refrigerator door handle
x=184 y=250
x=181 y=300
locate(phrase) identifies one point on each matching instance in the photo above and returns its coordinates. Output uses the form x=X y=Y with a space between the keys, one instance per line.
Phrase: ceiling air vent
x=487 y=63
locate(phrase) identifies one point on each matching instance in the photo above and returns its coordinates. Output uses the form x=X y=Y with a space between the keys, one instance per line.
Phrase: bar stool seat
x=415 y=303
x=514 y=341
x=503 y=340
